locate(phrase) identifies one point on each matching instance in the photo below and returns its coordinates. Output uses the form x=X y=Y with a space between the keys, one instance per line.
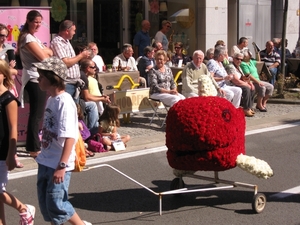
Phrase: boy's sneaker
x=86 y=223
x=27 y=218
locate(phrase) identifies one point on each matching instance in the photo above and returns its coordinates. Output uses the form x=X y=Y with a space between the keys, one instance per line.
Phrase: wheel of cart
x=177 y=187
x=259 y=202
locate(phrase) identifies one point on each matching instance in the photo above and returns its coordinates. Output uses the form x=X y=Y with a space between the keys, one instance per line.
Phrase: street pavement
x=146 y=136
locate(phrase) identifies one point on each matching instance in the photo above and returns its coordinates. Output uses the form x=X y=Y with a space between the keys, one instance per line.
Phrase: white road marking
x=282 y=194
x=286 y=193
x=268 y=129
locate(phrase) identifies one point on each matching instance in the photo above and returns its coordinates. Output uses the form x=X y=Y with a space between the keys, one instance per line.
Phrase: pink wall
x=14 y=19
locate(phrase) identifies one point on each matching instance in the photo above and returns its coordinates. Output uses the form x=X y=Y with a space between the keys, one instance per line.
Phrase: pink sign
x=14 y=19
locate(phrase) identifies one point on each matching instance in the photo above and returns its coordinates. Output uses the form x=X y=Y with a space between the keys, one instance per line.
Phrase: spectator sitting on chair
x=191 y=73
x=95 y=57
x=89 y=67
x=215 y=66
x=128 y=62
x=209 y=55
x=264 y=89
x=157 y=46
x=146 y=63
x=227 y=59
x=179 y=55
x=288 y=54
x=220 y=42
x=241 y=47
x=271 y=59
x=90 y=99
x=277 y=44
x=161 y=81
x=242 y=81
x=287 y=51
x=88 y=107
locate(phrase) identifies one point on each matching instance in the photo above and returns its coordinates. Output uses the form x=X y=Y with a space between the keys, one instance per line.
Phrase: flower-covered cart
x=208 y=134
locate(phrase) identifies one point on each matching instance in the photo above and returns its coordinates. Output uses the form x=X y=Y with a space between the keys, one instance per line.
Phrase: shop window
x=182 y=17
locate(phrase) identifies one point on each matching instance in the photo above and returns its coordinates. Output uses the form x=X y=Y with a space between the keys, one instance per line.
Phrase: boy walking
x=60 y=133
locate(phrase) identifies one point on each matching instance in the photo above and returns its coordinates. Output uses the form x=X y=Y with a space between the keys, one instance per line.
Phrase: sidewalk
x=144 y=136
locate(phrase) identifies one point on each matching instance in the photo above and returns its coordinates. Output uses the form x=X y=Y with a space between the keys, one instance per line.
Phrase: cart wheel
x=177 y=183
x=259 y=202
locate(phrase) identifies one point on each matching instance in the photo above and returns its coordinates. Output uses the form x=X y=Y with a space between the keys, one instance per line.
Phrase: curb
x=283 y=101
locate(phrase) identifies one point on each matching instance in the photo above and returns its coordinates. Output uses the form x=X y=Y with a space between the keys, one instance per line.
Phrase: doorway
x=107 y=28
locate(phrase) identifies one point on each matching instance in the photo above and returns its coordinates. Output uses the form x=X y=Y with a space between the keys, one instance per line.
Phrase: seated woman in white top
x=216 y=68
x=97 y=58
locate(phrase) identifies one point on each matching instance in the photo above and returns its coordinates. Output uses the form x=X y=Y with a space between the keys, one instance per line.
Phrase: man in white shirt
x=127 y=62
x=125 y=58
x=241 y=47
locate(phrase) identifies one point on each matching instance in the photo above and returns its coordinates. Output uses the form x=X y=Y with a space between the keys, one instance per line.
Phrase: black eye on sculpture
x=226 y=115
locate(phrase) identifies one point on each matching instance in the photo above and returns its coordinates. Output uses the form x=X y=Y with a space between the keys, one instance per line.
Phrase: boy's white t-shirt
x=60 y=122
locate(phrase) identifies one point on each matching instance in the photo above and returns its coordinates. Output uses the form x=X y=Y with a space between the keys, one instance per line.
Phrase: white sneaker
x=86 y=223
x=27 y=218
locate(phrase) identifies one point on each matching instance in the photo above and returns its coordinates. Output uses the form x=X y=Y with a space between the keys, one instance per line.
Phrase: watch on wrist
x=63 y=165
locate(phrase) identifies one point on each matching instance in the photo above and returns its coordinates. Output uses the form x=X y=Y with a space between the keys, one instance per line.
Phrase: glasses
x=69 y=27
x=169 y=27
x=177 y=47
x=239 y=59
x=92 y=67
x=3 y=35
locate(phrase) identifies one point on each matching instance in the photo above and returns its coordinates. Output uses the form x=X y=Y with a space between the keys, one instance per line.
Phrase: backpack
x=80 y=158
x=95 y=144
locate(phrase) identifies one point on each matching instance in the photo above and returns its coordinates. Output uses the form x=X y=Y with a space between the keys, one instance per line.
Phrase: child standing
x=109 y=121
x=60 y=133
x=8 y=140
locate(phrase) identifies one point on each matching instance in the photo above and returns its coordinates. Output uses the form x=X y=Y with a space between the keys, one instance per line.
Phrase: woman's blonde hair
x=4 y=69
x=161 y=52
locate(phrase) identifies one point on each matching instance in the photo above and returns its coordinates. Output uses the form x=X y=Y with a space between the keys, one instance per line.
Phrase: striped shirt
x=269 y=58
x=63 y=49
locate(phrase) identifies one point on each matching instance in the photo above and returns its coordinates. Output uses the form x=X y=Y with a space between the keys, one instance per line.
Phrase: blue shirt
x=142 y=40
x=143 y=63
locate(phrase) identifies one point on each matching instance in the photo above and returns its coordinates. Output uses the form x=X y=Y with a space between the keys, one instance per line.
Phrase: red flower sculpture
x=154 y=6
x=204 y=133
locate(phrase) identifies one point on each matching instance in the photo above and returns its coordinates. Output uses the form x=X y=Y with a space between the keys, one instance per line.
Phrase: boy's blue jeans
x=53 y=198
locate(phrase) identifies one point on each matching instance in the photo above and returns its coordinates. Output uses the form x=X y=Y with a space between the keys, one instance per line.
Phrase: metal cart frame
x=177 y=187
